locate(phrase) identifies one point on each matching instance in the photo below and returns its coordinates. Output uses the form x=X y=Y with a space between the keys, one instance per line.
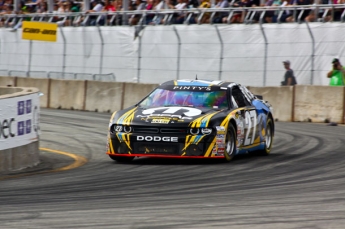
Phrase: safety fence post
x=63 y=52
x=178 y=53
x=312 y=53
x=102 y=50
x=266 y=50
x=30 y=57
x=221 y=53
x=140 y=35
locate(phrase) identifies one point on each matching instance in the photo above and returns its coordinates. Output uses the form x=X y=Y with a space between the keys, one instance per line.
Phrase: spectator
x=337 y=74
x=110 y=6
x=193 y=3
x=149 y=6
x=179 y=17
x=42 y=7
x=239 y=16
x=291 y=17
x=138 y=6
x=289 y=77
x=205 y=4
x=159 y=5
x=338 y=12
x=219 y=17
x=272 y=15
x=97 y=7
x=314 y=15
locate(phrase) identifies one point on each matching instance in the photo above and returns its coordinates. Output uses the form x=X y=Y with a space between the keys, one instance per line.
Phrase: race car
x=192 y=119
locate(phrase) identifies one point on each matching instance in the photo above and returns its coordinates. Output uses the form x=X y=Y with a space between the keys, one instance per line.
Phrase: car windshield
x=206 y=99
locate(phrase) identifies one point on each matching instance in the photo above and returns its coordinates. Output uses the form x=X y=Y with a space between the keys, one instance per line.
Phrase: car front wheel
x=230 y=143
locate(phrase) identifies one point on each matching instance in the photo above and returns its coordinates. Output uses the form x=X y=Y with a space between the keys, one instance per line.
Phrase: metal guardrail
x=61 y=75
x=84 y=76
x=4 y=72
x=251 y=15
x=18 y=73
x=104 y=77
x=37 y=74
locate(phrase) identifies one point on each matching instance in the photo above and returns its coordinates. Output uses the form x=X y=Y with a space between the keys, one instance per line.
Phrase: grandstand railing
x=251 y=15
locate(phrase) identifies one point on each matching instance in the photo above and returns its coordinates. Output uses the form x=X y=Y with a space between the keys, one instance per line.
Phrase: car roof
x=201 y=83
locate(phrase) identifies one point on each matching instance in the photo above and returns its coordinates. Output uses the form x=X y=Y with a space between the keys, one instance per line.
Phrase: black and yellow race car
x=192 y=119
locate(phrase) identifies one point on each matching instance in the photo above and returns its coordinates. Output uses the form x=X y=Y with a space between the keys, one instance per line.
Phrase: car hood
x=175 y=116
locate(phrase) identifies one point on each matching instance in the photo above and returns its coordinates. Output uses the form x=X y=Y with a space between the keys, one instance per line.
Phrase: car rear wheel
x=268 y=137
x=230 y=143
x=121 y=159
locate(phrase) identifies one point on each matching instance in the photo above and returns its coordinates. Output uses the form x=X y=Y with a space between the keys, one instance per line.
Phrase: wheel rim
x=230 y=144
x=268 y=137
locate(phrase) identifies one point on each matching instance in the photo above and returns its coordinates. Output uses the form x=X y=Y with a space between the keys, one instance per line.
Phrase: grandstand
x=151 y=46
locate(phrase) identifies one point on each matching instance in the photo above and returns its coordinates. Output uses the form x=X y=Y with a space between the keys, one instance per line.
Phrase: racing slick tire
x=230 y=143
x=121 y=159
x=268 y=137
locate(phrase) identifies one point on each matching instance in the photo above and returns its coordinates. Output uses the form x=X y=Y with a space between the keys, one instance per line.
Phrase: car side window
x=239 y=97
x=234 y=103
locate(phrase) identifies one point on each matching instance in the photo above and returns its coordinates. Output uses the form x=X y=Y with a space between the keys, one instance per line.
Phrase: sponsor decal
x=19 y=124
x=164 y=111
x=193 y=88
x=160 y=116
x=157 y=139
x=24 y=107
x=161 y=121
x=7 y=128
x=220 y=130
x=42 y=31
x=214 y=151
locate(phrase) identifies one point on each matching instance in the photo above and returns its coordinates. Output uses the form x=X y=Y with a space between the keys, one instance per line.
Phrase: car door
x=247 y=120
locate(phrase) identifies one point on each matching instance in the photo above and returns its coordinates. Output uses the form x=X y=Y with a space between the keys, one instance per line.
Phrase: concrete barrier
x=19 y=141
x=67 y=94
x=299 y=103
x=281 y=98
x=19 y=157
x=134 y=92
x=7 y=81
x=103 y=96
x=42 y=85
x=319 y=103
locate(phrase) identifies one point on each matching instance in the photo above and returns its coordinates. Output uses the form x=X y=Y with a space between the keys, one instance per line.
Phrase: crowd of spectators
x=184 y=9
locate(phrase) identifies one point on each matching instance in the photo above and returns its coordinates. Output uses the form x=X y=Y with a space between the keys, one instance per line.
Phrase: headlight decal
x=202 y=121
x=206 y=120
x=192 y=139
x=127 y=117
x=110 y=143
x=123 y=137
x=209 y=150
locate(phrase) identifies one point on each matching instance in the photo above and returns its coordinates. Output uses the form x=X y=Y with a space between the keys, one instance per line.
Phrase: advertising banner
x=19 y=121
x=41 y=31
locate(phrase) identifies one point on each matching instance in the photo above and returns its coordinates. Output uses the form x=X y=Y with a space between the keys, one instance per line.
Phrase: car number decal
x=251 y=122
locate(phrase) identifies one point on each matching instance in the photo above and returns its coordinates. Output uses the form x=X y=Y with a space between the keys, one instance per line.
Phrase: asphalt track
x=300 y=185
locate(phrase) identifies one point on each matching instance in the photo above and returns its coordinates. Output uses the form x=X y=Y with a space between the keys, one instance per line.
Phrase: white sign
x=19 y=121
